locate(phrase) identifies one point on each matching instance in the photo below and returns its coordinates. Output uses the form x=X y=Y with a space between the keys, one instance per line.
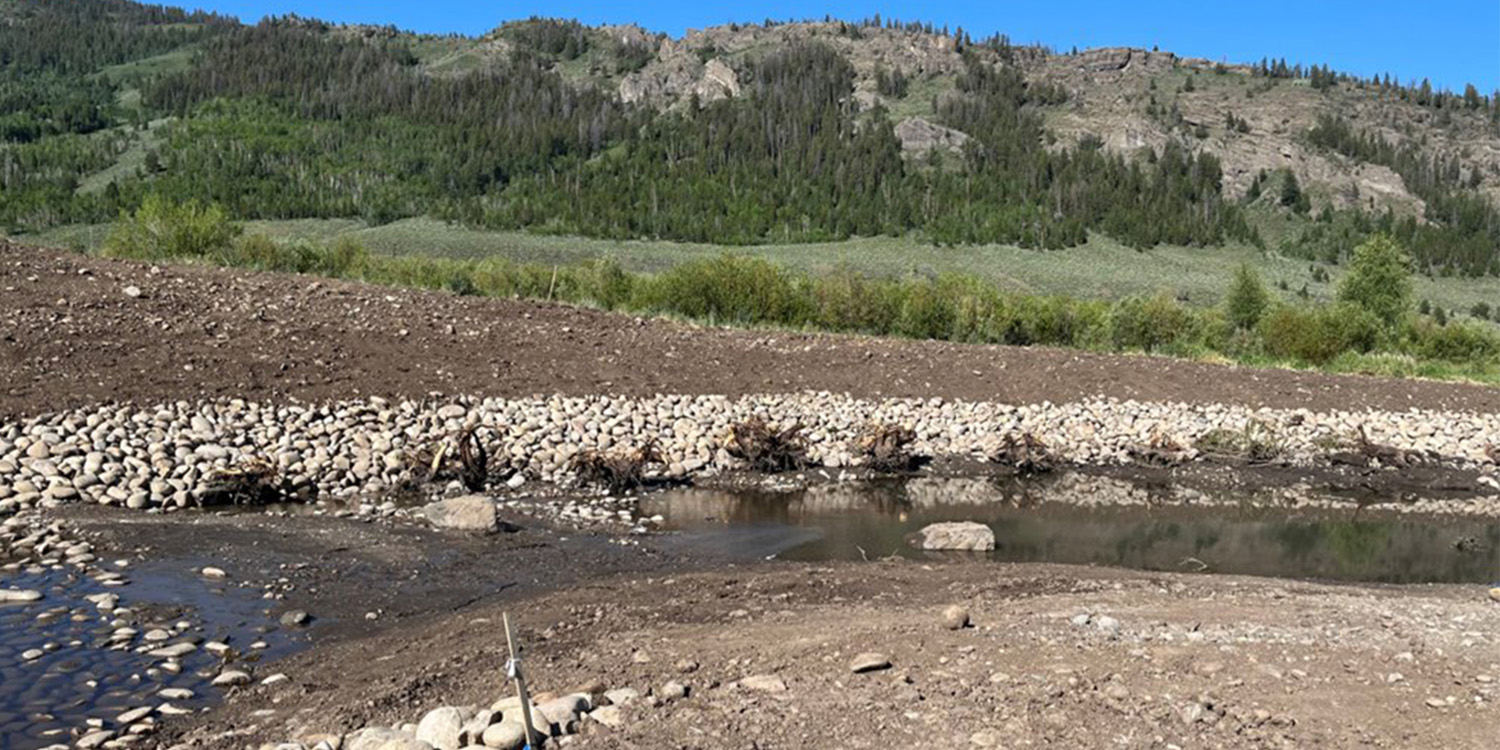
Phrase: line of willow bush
x=746 y=291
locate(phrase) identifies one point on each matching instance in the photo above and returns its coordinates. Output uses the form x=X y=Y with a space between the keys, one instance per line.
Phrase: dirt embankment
x=76 y=330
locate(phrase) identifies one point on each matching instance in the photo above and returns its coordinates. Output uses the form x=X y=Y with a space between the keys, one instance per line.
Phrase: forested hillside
x=735 y=135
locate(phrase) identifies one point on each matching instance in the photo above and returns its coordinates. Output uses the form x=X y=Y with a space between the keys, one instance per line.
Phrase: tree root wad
x=252 y=482
x=768 y=450
x=616 y=472
x=1027 y=454
x=887 y=448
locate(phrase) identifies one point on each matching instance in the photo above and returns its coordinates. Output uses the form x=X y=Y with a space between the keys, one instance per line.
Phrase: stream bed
x=68 y=663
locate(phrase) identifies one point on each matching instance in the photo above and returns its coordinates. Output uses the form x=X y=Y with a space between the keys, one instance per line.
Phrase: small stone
x=609 y=716
x=672 y=691
x=15 y=595
x=1107 y=625
x=621 y=696
x=132 y=716
x=213 y=573
x=1436 y=703
x=1207 y=668
x=231 y=678
x=869 y=661
x=94 y=739
x=985 y=738
x=295 y=618
x=175 y=694
x=32 y=654
x=133 y=292
x=275 y=679
x=955 y=617
x=764 y=683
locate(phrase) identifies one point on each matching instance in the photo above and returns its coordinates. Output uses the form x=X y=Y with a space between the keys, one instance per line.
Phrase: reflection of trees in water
x=1356 y=545
x=1094 y=520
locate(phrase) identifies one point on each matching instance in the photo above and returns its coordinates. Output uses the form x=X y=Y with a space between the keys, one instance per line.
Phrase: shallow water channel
x=86 y=671
x=1085 y=521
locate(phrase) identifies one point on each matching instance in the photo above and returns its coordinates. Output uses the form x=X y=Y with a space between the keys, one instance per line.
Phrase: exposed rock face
x=920 y=136
x=1106 y=58
x=718 y=81
x=965 y=536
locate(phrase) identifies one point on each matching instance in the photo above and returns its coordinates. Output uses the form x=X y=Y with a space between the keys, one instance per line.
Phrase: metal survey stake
x=513 y=670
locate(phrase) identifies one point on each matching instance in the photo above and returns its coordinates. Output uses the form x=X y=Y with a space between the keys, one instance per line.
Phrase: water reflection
x=1084 y=520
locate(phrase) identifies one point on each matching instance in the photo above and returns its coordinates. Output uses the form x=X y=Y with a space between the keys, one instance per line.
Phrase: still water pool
x=1063 y=521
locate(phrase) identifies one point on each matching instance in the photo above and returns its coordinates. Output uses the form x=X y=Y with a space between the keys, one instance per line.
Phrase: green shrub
x=162 y=230
x=926 y=313
x=345 y=258
x=1150 y=323
x=846 y=300
x=1454 y=342
x=1379 y=279
x=606 y=284
x=1316 y=335
x=729 y=289
x=1248 y=298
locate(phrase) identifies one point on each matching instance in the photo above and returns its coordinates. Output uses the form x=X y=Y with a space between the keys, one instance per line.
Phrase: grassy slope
x=1102 y=268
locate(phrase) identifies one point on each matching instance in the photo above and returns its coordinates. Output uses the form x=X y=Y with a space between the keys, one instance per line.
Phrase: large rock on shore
x=467 y=513
x=442 y=727
x=956 y=535
x=376 y=738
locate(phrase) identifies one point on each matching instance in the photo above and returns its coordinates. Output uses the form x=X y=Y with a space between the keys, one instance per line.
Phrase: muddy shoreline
x=389 y=585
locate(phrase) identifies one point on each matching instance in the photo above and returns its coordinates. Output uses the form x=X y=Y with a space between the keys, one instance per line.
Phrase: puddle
x=1073 y=520
x=84 y=674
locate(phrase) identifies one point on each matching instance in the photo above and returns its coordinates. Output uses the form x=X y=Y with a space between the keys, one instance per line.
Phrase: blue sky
x=1452 y=42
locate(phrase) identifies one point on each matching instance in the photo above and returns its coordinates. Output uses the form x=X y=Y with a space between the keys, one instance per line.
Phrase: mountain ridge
x=1062 y=144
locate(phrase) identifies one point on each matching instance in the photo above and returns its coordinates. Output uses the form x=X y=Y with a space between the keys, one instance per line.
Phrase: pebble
x=214 y=573
x=295 y=618
x=956 y=617
x=764 y=683
x=869 y=662
x=132 y=716
x=621 y=696
x=13 y=595
x=231 y=678
x=673 y=690
x=609 y=716
x=173 y=651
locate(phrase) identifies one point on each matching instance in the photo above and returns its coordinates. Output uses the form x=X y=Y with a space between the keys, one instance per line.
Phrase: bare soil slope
x=71 y=333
